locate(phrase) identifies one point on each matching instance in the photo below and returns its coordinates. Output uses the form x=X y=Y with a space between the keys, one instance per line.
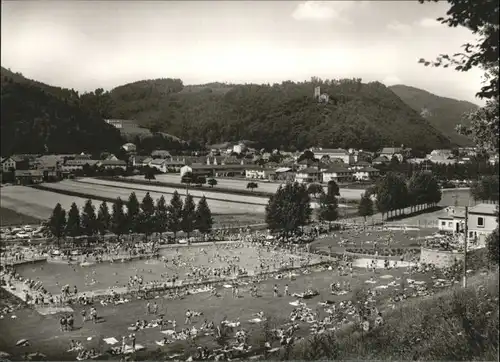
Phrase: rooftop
x=489 y=209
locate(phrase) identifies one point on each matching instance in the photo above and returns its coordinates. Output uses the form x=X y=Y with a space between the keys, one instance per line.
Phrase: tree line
x=145 y=217
x=394 y=192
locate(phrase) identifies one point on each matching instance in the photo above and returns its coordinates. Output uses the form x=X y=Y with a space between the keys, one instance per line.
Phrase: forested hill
x=443 y=113
x=368 y=116
x=37 y=118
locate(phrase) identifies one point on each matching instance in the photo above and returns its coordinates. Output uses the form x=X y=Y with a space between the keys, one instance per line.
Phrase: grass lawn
x=10 y=217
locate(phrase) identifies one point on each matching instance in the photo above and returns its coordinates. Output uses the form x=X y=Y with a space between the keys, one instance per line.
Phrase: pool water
x=104 y=275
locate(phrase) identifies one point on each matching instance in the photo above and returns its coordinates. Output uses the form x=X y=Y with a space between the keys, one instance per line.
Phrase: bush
x=457 y=324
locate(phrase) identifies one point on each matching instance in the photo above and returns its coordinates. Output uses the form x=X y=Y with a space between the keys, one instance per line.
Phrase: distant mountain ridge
x=442 y=112
x=361 y=115
x=38 y=118
x=286 y=115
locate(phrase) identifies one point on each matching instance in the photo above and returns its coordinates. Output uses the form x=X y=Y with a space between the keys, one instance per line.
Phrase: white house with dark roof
x=366 y=174
x=336 y=154
x=308 y=175
x=160 y=164
x=482 y=222
x=8 y=164
x=338 y=173
x=112 y=164
x=453 y=221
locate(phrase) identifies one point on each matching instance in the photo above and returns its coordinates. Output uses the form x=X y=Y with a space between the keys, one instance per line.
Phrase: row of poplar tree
x=144 y=218
x=289 y=208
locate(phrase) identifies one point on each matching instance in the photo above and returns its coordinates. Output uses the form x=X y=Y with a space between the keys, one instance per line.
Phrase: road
x=238 y=184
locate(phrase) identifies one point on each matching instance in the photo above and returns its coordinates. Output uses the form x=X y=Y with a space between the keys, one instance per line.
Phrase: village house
x=174 y=165
x=338 y=173
x=366 y=174
x=493 y=159
x=359 y=165
x=286 y=174
x=308 y=175
x=8 y=164
x=389 y=152
x=482 y=221
x=260 y=173
x=129 y=147
x=160 y=164
x=214 y=170
x=453 y=221
x=28 y=177
x=441 y=159
x=73 y=165
x=111 y=157
x=239 y=148
x=136 y=160
x=336 y=154
x=381 y=160
x=112 y=164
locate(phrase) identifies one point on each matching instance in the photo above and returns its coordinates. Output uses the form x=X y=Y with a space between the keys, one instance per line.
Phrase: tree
x=289 y=208
x=73 y=224
x=252 y=185
x=365 y=207
x=175 y=214
x=315 y=189
x=188 y=178
x=481 y=18
x=161 y=216
x=328 y=208
x=133 y=211
x=103 y=219
x=306 y=155
x=200 y=181
x=57 y=222
x=149 y=173
x=118 y=219
x=147 y=216
x=392 y=193
x=423 y=188
x=333 y=188
x=204 y=219
x=89 y=219
x=188 y=222
x=212 y=182
x=486 y=189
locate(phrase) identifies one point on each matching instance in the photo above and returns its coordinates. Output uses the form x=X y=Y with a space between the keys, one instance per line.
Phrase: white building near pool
x=453 y=222
x=482 y=222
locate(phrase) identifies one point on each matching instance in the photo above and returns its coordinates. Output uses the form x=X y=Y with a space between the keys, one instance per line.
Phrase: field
x=271 y=187
x=117 y=274
x=10 y=217
x=36 y=203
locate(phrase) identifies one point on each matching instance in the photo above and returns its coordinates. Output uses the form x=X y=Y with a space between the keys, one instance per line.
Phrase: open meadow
x=10 y=217
x=241 y=184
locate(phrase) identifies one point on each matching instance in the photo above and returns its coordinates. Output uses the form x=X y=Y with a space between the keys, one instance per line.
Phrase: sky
x=98 y=44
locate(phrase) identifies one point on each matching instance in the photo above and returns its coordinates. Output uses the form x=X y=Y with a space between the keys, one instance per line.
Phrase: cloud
x=429 y=23
x=391 y=80
x=398 y=27
x=324 y=10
